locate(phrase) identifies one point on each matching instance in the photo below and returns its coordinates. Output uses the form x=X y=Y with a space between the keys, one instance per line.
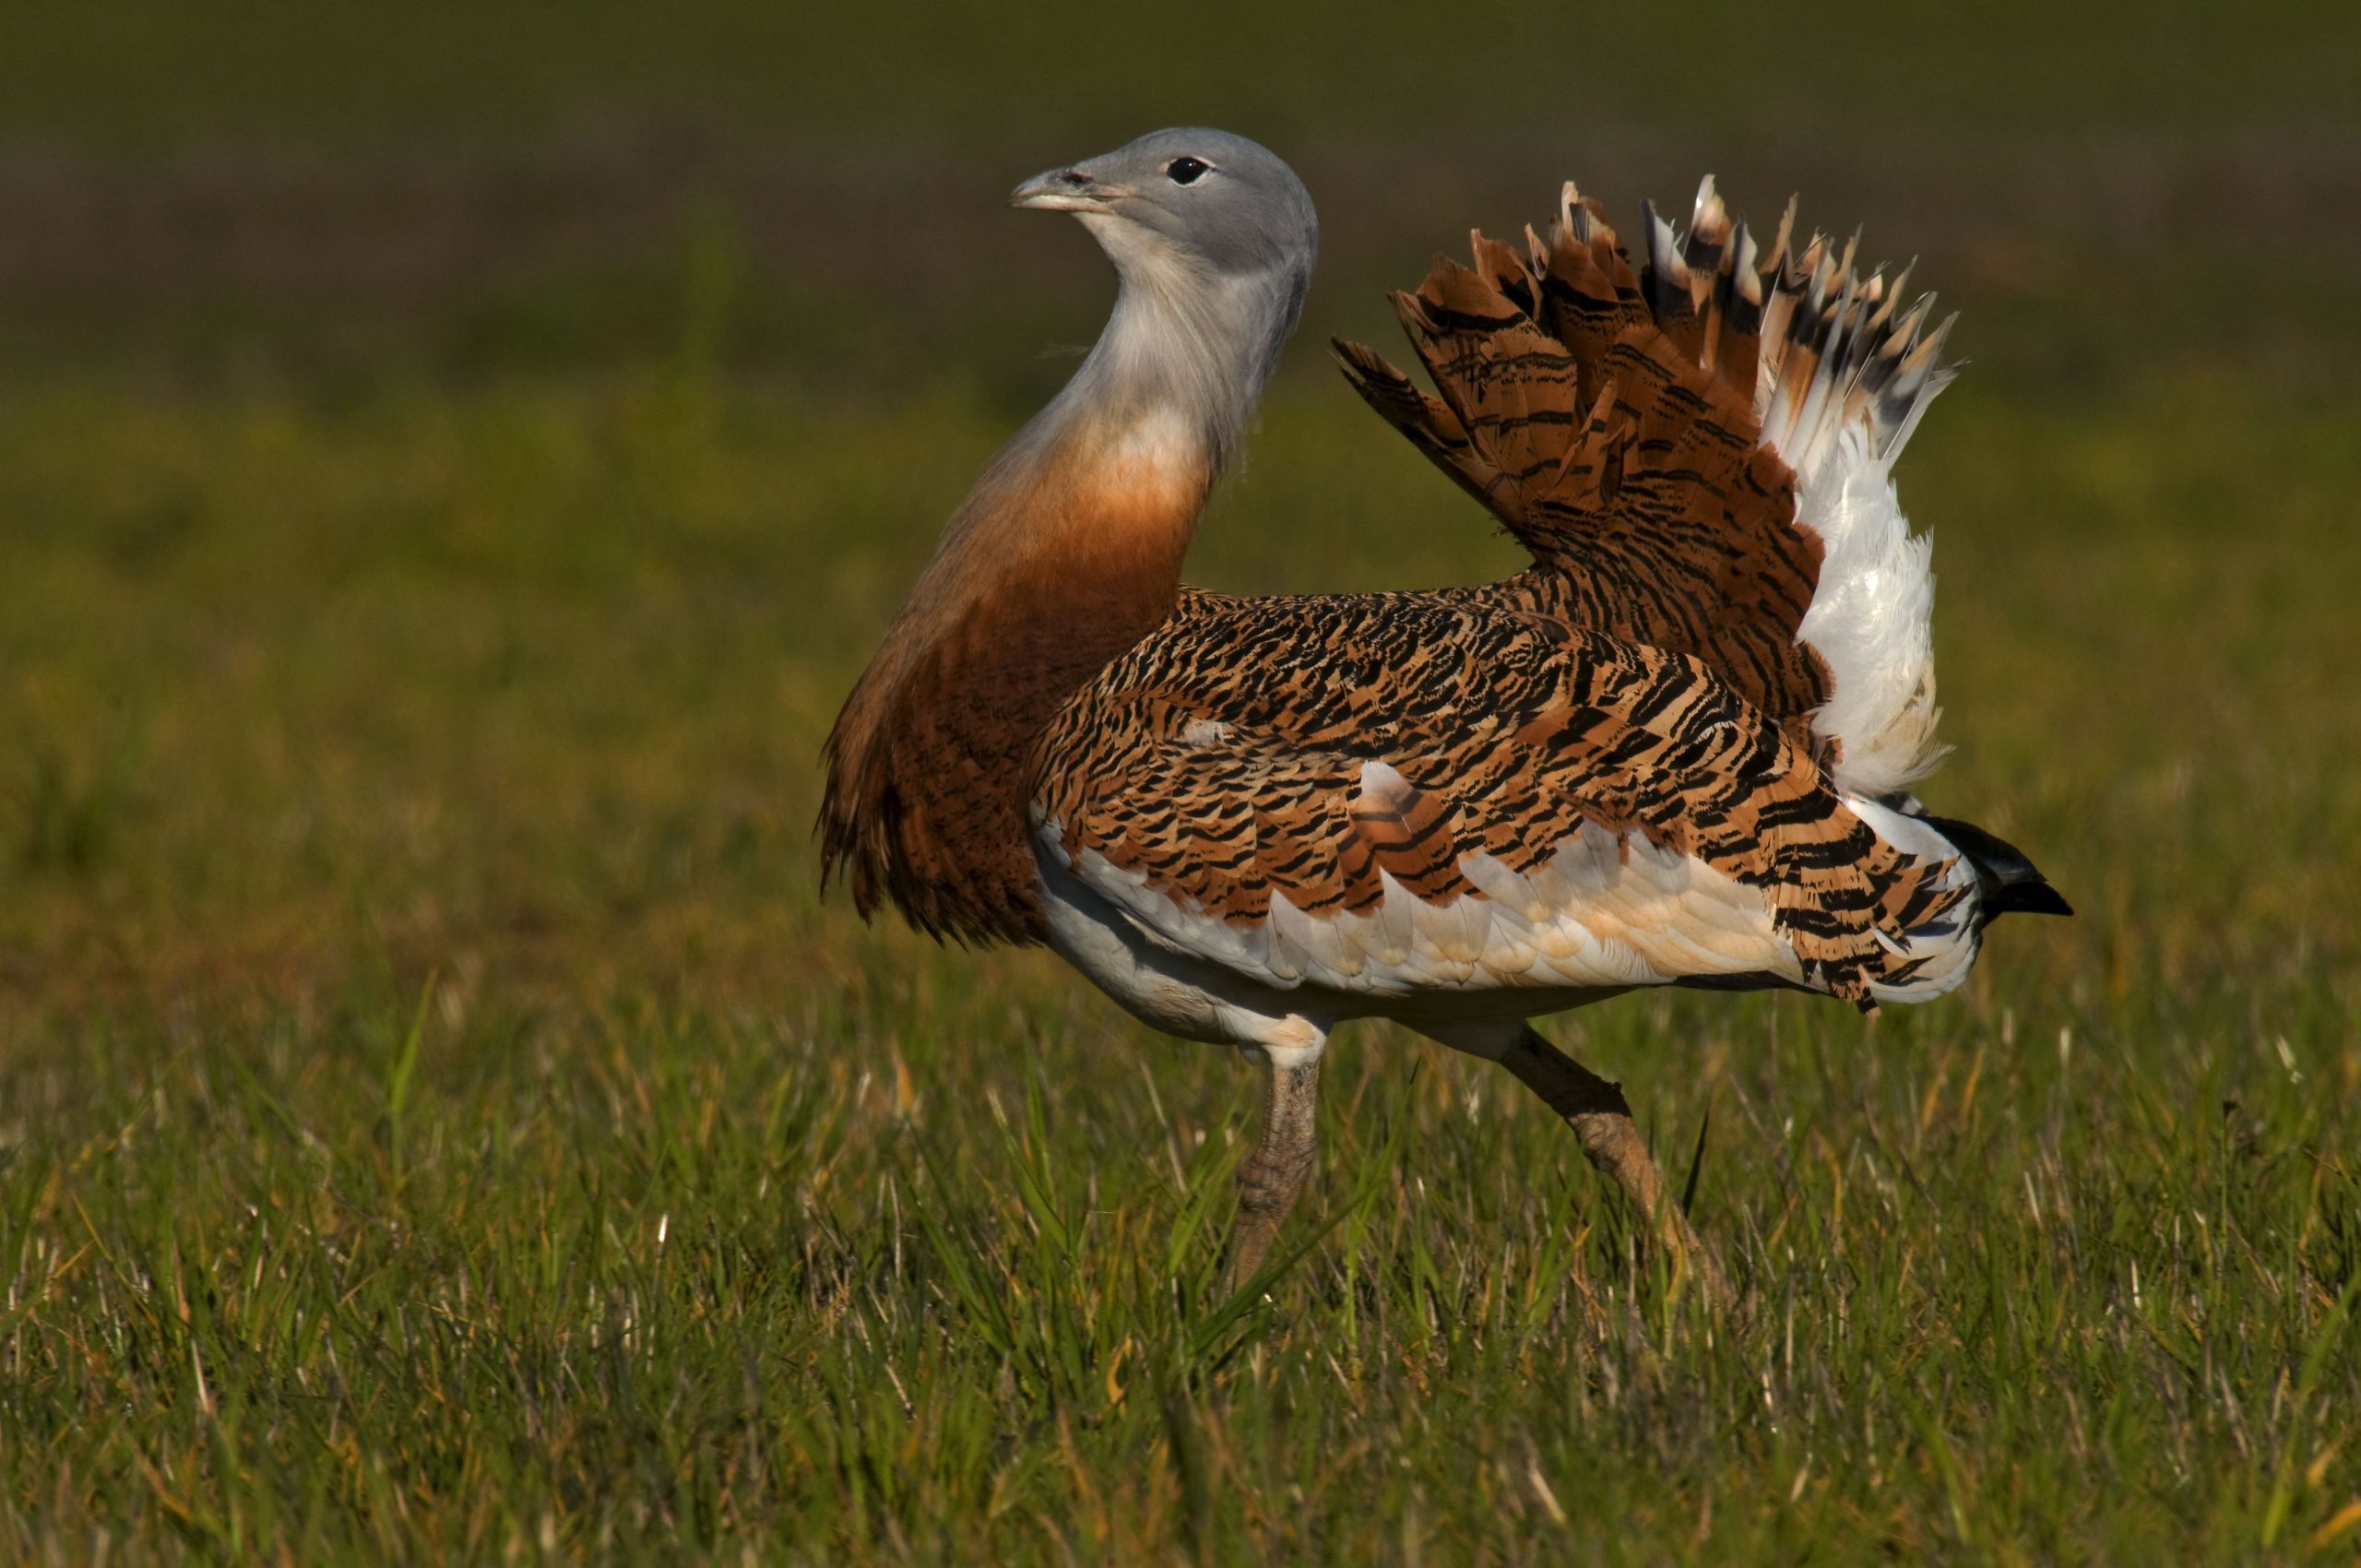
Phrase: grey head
x=1211 y=234
x=1221 y=201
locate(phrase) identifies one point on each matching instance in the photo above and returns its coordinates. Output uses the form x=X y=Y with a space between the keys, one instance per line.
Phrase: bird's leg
x=1274 y=1175
x=1601 y=1118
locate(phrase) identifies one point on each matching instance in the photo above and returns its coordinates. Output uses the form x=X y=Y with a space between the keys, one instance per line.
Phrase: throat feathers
x=1067 y=551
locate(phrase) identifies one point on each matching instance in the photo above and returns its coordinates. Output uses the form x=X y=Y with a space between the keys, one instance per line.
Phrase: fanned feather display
x=1701 y=449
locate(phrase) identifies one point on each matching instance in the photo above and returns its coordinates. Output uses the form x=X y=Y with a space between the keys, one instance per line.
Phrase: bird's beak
x=1065 y=190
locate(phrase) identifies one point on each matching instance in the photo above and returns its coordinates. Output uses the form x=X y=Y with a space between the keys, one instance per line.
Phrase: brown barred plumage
x=1614 y=435
x=1222 y=759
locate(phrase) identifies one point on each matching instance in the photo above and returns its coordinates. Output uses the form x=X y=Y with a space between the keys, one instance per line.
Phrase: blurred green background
x=455 y=457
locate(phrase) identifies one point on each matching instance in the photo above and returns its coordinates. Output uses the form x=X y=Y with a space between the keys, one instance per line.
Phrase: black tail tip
x=2034 y=898
x=2008 y=883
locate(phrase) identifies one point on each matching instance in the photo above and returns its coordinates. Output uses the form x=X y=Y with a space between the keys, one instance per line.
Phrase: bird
x=1679 y=748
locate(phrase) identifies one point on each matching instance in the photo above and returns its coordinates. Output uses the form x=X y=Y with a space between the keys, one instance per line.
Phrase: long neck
x=1067 y=551
x=1182 y=344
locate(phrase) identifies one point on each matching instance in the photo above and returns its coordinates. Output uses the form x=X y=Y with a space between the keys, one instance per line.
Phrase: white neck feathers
x=1188 y=350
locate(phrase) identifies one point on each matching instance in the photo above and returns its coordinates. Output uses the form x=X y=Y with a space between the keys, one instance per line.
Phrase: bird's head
x=1193 y=200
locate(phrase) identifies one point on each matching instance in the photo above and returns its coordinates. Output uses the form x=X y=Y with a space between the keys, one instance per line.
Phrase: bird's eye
x=1187 y=170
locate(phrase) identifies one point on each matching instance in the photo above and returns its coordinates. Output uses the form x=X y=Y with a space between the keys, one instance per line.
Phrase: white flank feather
x=1608 y=910
x=1843 y=379
x=1871 y=618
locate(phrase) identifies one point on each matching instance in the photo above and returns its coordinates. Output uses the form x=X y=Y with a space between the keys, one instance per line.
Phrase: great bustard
x=1675 y=750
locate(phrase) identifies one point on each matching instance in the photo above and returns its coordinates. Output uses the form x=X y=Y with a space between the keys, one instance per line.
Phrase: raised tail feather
x=1700 y=451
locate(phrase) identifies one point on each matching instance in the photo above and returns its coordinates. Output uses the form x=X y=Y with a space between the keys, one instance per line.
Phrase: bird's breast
x=1148 y=475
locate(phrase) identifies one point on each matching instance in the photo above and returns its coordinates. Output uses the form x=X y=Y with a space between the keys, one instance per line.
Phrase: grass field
x=441 y=1121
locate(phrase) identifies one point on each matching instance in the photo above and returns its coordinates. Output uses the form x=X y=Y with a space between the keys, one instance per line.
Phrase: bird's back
x=1384 y=794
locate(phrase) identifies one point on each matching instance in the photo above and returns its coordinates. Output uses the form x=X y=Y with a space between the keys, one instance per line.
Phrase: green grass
x=439 y=1120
